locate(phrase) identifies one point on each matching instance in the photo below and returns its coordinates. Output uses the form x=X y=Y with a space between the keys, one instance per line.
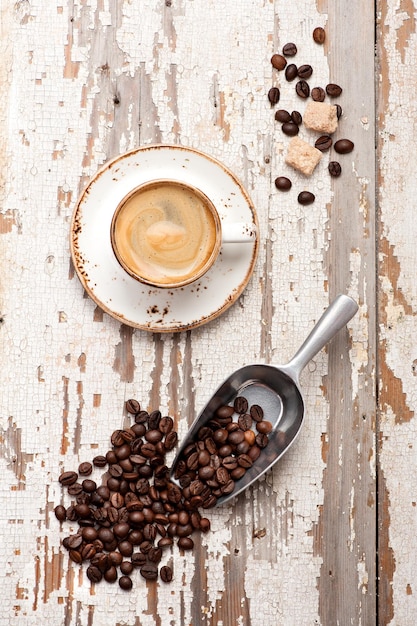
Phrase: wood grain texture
x=84 y=81
x=397 y=315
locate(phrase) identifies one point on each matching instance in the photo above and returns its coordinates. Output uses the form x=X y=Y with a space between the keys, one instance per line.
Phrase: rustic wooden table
x=329 y=535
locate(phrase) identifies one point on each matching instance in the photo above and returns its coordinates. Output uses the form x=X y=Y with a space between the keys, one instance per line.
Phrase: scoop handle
x=339 y=312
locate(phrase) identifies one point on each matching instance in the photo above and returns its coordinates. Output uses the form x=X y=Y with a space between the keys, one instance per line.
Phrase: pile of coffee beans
x=224 y=449
x=291 y=122
x=127 y=521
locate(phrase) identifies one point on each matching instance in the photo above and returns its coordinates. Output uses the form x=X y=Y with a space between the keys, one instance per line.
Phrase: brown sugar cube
x=302 y=157
x=321 y=117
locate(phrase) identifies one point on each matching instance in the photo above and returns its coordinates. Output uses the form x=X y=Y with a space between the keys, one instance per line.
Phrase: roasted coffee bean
x=171 y=440
x=282 y=116
x=240 y=404
x=116 y=471
x=172 y=529
x=203 y=457
x=204 y=432
x=245 y=421
x=100 y=461
x=289 y=49
x=149 y=571
x=116 y=438
x=254 y=452
x=290 y=129
x=335 y=169
x=305 y=71
x=297 y=118
x=278 y=61
x=148 y=449
x=83 y=498
x=155 y=555
x=111 y=457
x=318 y=94
x=88 y=552
x=204 y=524
x=229 y=462
x=323 y=143
x=333 y=90
x=89 y=534
x=244 y=461
x=256 y=412
x=274 y=95
x=225 y=411
x=208 y=503
x=75 y=490
x=132 y=406
x=75 y=556
x=185 y=543
x=264 y=427
x=60 y=513
x=72 y=513
x=117 y=500
x=83 y=511
x=166 y=425
x=205 y=473
x=291 y=72
x=222 y=476
x=154 y=435
x=141 y=417
x=302 y=89
x=235 y=437
x=123 y=452
x=138 y=559
x=121 y=530
x=338 y=111
x=89 y=486
x=166 y=574
x=319 y=35
x=105 y=535
x=74 y=542
x=125 y=548
x=68 y=478
x=283 y=183
x=344 y=146
x=101 y=561
x=174 y=493
x=125 y=583
x=306 y=197
x=237 y=473
x=261 y=440
x=94 y=574
x=104 y=492
x=250 y=437
x=85 y=469
x=126 y=567
x=128 y=435
x=110 y=575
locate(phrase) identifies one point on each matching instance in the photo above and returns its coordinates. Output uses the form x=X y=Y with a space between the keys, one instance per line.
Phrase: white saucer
x=113 y=289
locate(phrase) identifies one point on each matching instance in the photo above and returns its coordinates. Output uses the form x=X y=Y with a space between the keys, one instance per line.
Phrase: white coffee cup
x=166 y=233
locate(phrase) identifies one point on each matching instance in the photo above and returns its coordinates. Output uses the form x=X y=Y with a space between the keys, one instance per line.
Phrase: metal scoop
x=276 y=389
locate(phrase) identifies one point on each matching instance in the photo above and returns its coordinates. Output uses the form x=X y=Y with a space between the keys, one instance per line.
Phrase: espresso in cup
x=166 y=233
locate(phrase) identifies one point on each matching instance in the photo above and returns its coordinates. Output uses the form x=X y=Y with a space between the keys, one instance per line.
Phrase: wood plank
x=396 y=310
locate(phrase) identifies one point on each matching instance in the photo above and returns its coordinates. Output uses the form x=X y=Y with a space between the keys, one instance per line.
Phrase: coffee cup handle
x=239 y=232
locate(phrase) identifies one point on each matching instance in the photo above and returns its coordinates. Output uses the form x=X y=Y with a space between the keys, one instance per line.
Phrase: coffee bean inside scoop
x=224 y=449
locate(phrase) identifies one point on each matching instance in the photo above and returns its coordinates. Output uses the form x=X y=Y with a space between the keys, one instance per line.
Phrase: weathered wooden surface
x=85 y=81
